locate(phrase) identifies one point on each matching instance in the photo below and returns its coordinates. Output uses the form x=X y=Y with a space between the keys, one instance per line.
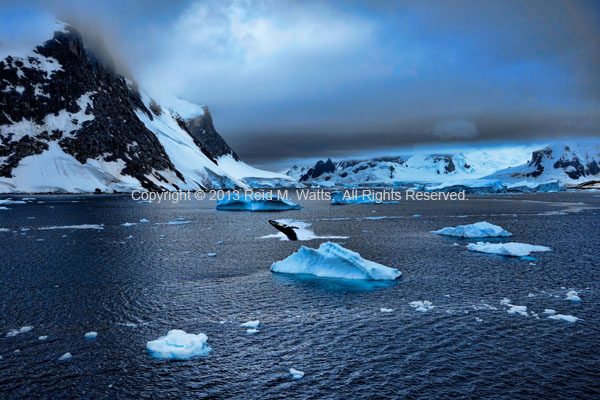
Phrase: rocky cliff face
x=70 y=123
x=205 y=135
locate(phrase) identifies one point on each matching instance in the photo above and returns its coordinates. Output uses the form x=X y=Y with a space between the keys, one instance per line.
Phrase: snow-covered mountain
x=572 y=164
x=70 y=123
x=420 y=166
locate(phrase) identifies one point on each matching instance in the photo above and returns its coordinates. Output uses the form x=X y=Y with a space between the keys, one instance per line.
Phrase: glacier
x=506 y=249
x=252 y=203
x=179 y=345
x=476 y=230
x=331 y=260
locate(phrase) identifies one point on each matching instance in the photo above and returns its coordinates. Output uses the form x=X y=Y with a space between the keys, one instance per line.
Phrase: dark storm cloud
x=317 y=78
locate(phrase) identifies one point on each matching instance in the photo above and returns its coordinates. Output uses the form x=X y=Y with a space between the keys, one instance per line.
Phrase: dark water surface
x=66 y=282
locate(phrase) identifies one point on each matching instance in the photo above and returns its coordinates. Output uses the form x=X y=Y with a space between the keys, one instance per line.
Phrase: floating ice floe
x=331 y=260
x=572 y=295
x=251 y=324
x=386 y=310
x=11 y=201
x=91 y=335
x=84 y=226
x=212 y=254
x=251 y=331
x=291 y=229
x=144 y=220
x=421 y=306
x=476 y=230
x=15 y=332
x=44 y=337
x=179 y=345
x=416 y=215
x=129 y=224
x=251 y=203
x=506 y=249
x=513 y=309
x=562 y=317
x=549 y=311
x=296 y=374
x=65 y=357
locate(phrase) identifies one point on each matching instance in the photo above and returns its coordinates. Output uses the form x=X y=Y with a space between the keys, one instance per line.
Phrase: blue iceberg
x=331 y=260
x=476 y=230
x=179 y=345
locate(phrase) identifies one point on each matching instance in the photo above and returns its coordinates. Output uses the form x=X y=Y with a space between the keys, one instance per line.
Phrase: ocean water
x=132 y=284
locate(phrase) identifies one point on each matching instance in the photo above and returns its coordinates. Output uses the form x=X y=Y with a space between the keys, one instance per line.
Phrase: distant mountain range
x=70 y=123
x=479 y=170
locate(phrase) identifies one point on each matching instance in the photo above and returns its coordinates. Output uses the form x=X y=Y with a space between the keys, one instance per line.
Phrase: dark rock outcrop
x=202 y=130
x=320 y=168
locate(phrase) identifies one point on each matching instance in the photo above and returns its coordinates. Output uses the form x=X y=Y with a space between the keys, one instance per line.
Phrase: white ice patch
x=179 y=345
x=302 y=231
x=506 y=249
x=15 y=332
x=65 y=357
x=573 y=295
x=251 y=331
x=84 y=226
x=296 y=374
x=11 y=201
x=331 y=260
x=44 y=337
x=549 y=311
x=562 y=317
x=513 y=309
x=256 y=204
x=251 y=324
x=476 y=230
x=421 y=306
x=386 y=310
x=144 y=220
x=91 y=335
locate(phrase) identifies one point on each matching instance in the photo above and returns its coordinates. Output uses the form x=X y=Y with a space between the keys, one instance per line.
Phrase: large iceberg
x=179 y=345
x=252 y=203
x=506 y=249
x=476 y=230
x=331 y=260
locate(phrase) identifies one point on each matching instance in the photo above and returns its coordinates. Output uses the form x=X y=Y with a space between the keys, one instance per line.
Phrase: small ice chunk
x=506 y=249
x=179 y=345
x=562 y=317
x=91 y=335
x=296 y=374
x=180 y=219
x=251 y=324
x=478 y=319
x=573 y=295
x=15 y=332
x=476 y=230
x=251 y=331
x=331 y=260
x=521 y=310
x=220 y=242
x=383 y=309
x=44 y=337
x=416 y=215
x=421 y=306
x=65 y=357
x=549 y=311
x=144 y=220
x=531 y=295
x=129 y=224
x=212 y=254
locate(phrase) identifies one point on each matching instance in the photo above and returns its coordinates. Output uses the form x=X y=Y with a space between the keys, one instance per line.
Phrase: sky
x=316 y=79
